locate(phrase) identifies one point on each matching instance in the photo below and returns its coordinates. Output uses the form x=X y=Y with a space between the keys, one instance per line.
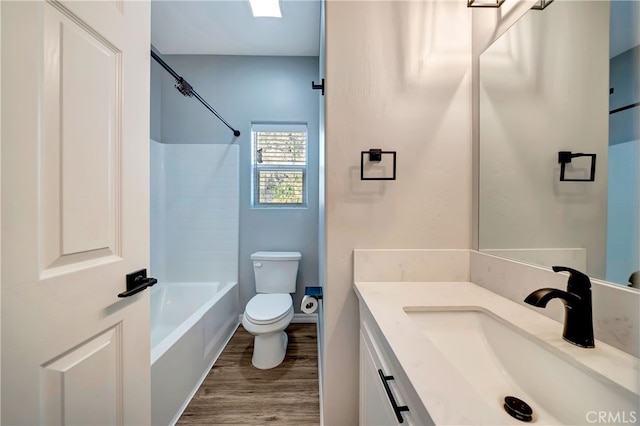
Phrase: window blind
x=281 y=148
x=279 y=165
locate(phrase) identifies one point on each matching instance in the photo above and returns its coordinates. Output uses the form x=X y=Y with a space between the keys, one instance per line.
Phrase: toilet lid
x=268 y=308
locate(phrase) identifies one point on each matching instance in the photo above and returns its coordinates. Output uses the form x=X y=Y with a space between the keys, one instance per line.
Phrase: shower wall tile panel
x=157 y=211
x=201 y=216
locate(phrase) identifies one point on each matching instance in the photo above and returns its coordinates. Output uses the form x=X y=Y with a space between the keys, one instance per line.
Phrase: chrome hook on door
x=136 y=282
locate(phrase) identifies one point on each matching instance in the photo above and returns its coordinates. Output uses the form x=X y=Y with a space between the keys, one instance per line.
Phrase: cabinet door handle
x=396 y=409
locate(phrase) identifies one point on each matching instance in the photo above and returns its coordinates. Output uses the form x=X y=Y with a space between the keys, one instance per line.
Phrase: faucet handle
x=578 y=282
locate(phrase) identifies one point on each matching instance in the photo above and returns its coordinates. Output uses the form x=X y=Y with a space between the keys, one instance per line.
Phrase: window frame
x=256 y=167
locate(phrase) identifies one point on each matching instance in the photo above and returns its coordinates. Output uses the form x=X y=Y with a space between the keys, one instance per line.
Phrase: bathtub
x=190 y=325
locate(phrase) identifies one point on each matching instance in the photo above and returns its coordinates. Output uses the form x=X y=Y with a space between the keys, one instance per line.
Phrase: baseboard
x=301 y=318
x=298 y=318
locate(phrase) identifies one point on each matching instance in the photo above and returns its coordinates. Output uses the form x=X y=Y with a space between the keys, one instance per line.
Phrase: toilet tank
x=275 y=271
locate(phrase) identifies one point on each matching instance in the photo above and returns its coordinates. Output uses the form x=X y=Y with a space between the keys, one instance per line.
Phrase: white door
x=75 y=201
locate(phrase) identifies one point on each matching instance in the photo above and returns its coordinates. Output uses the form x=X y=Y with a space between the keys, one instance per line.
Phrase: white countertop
x=445 y=392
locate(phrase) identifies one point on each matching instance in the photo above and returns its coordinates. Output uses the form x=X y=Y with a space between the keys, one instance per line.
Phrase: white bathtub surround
x=194 y=255
x=448 y=395
x=194 y=212
x=616 y=309
x=190 y=325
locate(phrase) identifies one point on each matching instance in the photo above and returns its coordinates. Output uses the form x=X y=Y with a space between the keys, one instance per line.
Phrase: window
x=279 y=165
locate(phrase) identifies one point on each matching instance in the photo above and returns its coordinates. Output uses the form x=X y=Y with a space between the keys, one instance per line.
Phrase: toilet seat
x=268 y=308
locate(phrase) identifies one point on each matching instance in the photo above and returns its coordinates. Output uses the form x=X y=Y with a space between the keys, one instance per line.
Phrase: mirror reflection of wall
x=544 y=88
x=623 y=228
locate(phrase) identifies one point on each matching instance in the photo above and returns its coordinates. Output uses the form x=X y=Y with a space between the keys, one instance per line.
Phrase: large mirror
x=563 y=79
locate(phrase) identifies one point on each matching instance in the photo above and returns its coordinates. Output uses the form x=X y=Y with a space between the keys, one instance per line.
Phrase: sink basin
x=499 y=360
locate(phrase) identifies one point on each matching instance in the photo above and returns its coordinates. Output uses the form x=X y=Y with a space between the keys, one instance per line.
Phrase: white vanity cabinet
x=386 y=395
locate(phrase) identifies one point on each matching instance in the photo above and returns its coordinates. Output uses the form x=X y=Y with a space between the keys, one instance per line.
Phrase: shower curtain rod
x=624 y=108
x=185 y=88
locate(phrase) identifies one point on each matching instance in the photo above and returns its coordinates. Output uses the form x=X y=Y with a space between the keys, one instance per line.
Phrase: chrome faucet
x=578 y=319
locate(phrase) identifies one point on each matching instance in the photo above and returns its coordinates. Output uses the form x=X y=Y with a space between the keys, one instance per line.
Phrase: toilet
x=270 y=311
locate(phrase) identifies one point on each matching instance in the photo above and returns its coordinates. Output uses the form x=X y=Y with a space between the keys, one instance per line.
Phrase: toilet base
x=269 y=350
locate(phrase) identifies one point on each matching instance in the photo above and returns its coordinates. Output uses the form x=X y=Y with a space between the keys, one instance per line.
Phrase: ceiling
x=227 y=27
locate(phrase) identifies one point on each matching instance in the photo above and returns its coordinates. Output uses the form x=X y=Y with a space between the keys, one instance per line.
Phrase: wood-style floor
x=235 y=392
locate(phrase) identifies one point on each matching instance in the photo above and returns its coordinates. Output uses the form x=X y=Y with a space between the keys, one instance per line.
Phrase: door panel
x=75 y=219
x=89 y=71
x=80 y=164
x=86 y=377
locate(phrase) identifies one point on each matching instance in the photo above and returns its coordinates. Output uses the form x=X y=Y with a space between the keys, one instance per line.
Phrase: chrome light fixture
x=484 y=3
x=265 y=8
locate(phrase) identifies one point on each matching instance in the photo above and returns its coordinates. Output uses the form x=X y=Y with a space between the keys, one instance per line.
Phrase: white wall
x=0 y=193
x=543 y=90
x=245 y=89
x=194 y=212
x=398 y=78
x=322 y=250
